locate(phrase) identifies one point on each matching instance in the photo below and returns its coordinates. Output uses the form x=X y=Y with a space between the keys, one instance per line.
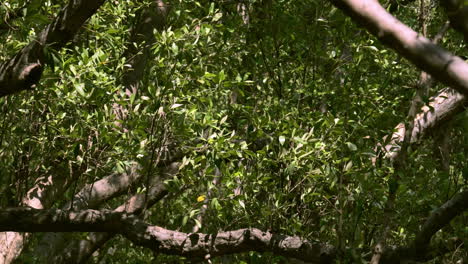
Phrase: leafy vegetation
x=276 y=116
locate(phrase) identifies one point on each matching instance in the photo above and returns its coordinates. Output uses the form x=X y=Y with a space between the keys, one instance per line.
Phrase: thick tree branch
x=442 y=65
x=420 y=249
x=137 y=54
x=199 y=245
x=141 y=40
x=78 y=251
x=162 y=240
x=422 y=52
x=24 y=70
x=440 y=218
x=92 y=195
x=138 y=49
x=44 y=193
x=442 y=107
x=58 y=248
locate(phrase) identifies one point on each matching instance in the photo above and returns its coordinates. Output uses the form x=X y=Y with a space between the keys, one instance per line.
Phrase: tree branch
x=444 y=66
x=442 y=107
x=92 y=195
x=420 y=249
x=440 y=218
x=198 y=245
x=162 y=240
x=24 y=70
x=58 y=248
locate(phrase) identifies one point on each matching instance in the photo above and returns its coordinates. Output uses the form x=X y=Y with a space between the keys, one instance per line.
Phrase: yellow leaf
x=201 y=198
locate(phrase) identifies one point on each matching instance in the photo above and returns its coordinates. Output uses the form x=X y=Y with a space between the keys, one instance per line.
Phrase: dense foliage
x=277 y=117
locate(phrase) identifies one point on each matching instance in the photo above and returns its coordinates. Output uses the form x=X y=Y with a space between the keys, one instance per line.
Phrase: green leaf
x=242 y=204
x=217 y=17
x=348 y=166
x=281 y=140
x=221 y=76
x=198 y=223
x=80 y=89
x=351 y=146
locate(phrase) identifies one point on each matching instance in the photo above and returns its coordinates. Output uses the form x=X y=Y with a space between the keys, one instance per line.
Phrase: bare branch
x=45 y=191
x=24 y=70
x=441 y=64
x=401 y=139
x=420 y=249
x=104 y=189
x=58 y=248
x=198 y=245
x=158 y=239
x=440 y=218
x=442 y=107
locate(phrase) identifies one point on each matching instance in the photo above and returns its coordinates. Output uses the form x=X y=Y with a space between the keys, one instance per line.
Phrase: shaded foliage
x=276 y=121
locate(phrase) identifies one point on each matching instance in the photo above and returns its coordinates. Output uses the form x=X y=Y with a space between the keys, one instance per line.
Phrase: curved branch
x=444 y=66
x=440 y=218
x=158 y=239
x=141 y=40
x=58 y=248
x=24 y=70
x=198 y=245
x=91 y=195
x=420 y=249
x=442 y=107
x=42 y=195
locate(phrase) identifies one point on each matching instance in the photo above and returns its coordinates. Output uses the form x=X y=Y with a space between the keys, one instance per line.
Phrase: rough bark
x=42 y=195
x=440 y=218
x=92 y=195
x=11 y=245
x=441 y=64
x=58 y=248
x=24 y=70
x=198 y=245
x=150 y=18
x=202 y=245
x=420 y=249
x=172 y=242
x=47 y=189
x=417 y=127
x=442 y=107
x=158 y=239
